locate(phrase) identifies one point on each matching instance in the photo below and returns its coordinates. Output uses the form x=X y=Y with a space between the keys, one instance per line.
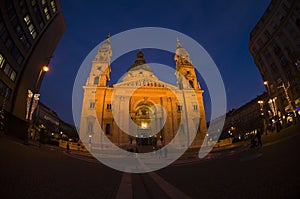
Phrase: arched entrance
x=144 y=114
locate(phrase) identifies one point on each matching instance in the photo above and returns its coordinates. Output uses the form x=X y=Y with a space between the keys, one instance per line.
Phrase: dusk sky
x=221 y=27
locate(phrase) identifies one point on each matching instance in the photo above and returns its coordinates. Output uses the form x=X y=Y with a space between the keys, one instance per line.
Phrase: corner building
x=152 y=111
x=275 y=47
x=29 y=33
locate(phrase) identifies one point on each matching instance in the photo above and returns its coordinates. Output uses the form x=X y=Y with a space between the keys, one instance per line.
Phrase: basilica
x=140 y=109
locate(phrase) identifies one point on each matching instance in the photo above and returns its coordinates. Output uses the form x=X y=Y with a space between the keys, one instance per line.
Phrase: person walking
x=68 y=147
x=258 y=137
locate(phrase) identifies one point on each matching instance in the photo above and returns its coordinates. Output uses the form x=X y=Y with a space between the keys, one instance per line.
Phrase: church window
x=108 y=106
x=195 y=106
x=96 y=80
x=188 y=72
x=90 y=128
x=107 y=129
x=191 y=83
x=179 y=108
x=92 y=105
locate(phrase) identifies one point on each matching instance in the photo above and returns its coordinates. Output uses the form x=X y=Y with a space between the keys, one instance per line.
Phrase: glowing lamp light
x=144 y=125
x=45 y=68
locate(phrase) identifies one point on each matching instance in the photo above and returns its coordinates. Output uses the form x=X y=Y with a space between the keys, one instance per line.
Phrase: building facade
x=152 y=111
x=29 y=33
x=241 y=121
x=275 y=47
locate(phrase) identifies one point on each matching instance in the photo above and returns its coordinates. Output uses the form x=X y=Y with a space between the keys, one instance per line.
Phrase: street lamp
x=261 y=103
x=272 y=100
x=32 y=101
x=285 y=88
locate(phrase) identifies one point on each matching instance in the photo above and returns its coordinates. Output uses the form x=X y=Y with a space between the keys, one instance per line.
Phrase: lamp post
x=261 y=104
x=32 y=101
x=285 y=88
x=272 y=100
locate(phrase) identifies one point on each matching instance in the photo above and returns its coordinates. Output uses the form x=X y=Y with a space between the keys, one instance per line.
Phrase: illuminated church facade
x=152 y=111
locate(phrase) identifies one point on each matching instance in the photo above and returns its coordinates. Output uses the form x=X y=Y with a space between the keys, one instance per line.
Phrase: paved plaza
x=235 y=171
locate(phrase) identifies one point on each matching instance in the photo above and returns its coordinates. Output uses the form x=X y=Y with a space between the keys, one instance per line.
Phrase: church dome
x=140 y=63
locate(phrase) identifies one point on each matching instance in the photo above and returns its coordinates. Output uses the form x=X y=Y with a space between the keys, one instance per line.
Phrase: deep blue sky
x=221 y=27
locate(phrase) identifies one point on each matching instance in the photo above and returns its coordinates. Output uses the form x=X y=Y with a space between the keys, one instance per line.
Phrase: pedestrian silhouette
x=258 y=137
x=68 y=147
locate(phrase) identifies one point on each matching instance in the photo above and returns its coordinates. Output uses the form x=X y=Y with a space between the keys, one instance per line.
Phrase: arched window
x=191 y=83
x=96 y=80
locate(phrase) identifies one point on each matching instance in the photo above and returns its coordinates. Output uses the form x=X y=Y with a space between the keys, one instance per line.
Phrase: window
x=16 y=25
x=96 y=80
x=90 y=128
x=44 y=2
x=179 y=108
x=108 y=106
x=8 y=42
x=37 y=12
x=46 y=12
x=13 y=75
x=191 y=83
x=267 y=34
x=92 y=105
x=27 y=20
x=188 y=72
x=283 y=61
x=7 y=69
x=2 y=60
x=274 y=25
x=10 y=72
x=5 y=91
x=267 y=56
x=280 y=16
x=195 y=106
x=260 y=43
x=107 y=129
x=53 y=6
x=273 y=67
x=276 y=48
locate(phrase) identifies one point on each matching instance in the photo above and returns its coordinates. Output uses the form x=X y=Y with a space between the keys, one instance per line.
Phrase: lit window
x=46 y=11
x=13 y=76
x=27 y=19
x=44 y=2
x=7 y=69
x=53 y=6
x=2 y=60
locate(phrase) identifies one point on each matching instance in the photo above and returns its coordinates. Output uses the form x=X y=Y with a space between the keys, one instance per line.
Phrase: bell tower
x=100 y=72
x=185 y=71
x=98 y=78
